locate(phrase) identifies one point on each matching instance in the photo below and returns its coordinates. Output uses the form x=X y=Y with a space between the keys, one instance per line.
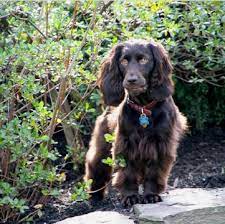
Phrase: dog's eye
x=143 y=61
x=124 y=62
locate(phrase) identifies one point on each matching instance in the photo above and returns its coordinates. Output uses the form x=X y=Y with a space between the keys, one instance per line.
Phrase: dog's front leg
x=156 y=176
x=126 y=177
x=126 y=182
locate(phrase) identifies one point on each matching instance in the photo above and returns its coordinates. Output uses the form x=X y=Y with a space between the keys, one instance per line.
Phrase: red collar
x=142 y=109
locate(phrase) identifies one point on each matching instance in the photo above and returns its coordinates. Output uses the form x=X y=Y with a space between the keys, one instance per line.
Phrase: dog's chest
x=140 y=124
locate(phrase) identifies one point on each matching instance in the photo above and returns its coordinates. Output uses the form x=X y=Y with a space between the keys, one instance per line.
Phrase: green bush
x=41 y=95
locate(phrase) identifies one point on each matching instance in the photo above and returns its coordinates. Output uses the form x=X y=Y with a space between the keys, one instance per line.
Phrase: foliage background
x=50 y=52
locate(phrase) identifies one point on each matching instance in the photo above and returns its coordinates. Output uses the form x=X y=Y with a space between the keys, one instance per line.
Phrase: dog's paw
x=128 y=201
x=151 y=198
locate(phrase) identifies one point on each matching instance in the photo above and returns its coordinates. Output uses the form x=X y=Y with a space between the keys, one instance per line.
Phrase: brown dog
x=136 y=84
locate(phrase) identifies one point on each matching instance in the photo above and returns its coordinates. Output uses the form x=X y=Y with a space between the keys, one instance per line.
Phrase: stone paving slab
x=185 y=206
x=99 y=217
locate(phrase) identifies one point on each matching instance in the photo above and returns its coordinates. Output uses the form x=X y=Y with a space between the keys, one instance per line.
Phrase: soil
x=200 y=163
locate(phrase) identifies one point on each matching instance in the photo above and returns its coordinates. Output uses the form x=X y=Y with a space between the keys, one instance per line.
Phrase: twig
x=29 y=215
x=106 y=185
x=27 y=20
x=59 y=100
x=206 y=80
x=37 y=29
x=80 y=102
x=19 y=110
x=63 y=82
x=106 y=5
x=46 y=19
x=185 y=80
x=5 y=16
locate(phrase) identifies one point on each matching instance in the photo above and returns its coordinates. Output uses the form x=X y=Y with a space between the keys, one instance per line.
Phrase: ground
x=200 y=163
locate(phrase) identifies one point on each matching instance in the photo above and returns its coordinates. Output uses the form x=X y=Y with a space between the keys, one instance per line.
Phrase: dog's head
x=139 y=67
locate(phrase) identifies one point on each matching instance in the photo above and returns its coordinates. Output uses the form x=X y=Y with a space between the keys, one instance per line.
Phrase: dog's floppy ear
x=110 y=79
x=161 y=78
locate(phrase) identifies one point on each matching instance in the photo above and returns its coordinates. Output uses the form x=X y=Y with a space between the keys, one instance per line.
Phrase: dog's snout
x=132 y=80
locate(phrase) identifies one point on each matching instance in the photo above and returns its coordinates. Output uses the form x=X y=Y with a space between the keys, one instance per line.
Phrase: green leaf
x=81 y=191
x=110 y=138
x=44 y=138
x=109 y=161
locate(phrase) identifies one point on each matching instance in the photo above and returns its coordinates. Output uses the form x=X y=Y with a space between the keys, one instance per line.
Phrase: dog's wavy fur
x=149 y=152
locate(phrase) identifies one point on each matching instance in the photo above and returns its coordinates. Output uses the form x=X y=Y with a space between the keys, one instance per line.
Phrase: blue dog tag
x=144 y=120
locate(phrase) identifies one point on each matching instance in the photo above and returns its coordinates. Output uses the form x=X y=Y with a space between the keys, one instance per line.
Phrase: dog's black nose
x=132 y=80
